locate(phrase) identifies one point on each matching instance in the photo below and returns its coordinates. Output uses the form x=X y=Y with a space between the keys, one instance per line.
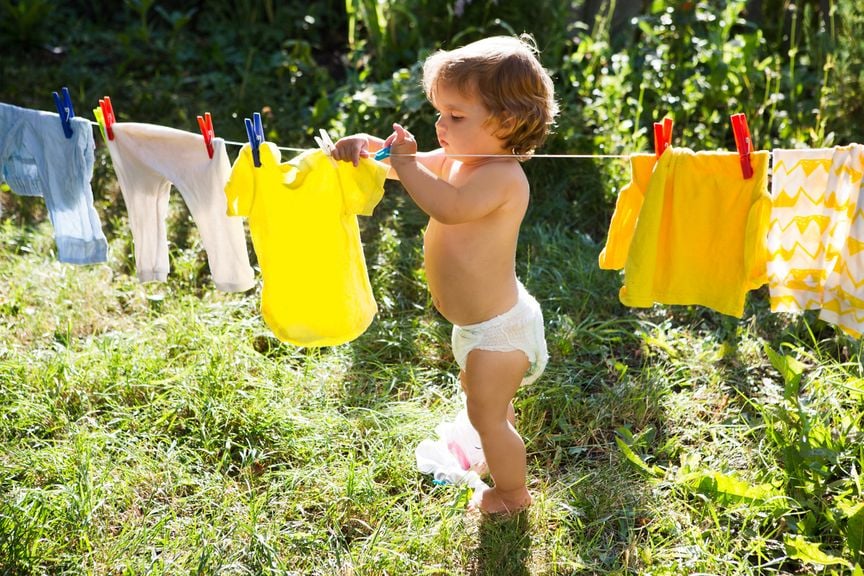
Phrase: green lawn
x=160 y=428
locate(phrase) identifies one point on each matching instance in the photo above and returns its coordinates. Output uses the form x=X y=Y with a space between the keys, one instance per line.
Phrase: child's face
x=463 y=125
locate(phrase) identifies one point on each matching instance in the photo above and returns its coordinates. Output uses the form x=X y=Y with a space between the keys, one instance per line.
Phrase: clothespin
x=205 y=123
x=108 y=115
x=743 y=143
x=100 y=119
x=382 y=153
x=65 y=110
x=324 y=142
x=662 y=136
x=255 y=133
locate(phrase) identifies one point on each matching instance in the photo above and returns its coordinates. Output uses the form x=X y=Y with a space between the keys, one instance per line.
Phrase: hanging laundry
x=627 y=208
x=36 y=159
x=701 y=234
x=843 y=298
x=808 y=226
x=303 y=219
x=148 y=159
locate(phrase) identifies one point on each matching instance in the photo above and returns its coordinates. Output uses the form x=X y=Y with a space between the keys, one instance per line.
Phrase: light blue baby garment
x=36 y=159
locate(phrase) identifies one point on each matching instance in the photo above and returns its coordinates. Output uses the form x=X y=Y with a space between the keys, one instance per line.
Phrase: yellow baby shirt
x=303 y=220
x=701 y=233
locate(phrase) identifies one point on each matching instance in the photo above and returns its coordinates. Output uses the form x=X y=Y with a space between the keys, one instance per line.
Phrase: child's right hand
x=401 y=143
x=352 y=148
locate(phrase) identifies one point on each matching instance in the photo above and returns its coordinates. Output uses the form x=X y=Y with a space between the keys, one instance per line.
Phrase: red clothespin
x=662 y=136
x=205 y=123
x=743 y=143
x=108 y=114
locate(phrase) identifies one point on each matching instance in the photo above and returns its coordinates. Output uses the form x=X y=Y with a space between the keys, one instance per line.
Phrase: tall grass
x=162 y=429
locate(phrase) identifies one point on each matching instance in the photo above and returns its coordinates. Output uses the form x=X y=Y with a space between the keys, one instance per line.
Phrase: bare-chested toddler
x=495 y=104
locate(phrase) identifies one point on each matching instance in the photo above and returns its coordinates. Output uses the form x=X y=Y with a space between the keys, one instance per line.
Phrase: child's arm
x=486 y=190
x=352 y=148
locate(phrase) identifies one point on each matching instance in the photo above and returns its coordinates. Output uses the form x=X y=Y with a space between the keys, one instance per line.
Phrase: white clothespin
x=326 y=144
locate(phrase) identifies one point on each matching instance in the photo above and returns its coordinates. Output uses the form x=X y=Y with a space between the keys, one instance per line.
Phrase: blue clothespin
x=65 y=110
x=255 y=133
x=382 y=153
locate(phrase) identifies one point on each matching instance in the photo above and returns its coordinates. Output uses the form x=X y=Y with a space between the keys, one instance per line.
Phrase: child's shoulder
x=502 y=170
x=503 y=179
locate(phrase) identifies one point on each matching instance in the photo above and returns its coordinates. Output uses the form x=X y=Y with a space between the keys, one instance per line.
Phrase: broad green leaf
x=727 y=489
x=635 y=459
x=653 y=342
x=855 y=531
x=790 y=369
x=799 y=548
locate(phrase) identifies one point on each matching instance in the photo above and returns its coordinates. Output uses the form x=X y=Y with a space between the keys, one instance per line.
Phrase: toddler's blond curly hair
x=504 y=72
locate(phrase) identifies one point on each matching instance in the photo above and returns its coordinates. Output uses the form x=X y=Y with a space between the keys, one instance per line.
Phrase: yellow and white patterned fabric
x=806 y=229
x=816 y=237
x=843 y=298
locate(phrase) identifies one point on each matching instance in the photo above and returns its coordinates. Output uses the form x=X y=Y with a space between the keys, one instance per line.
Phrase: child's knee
x=483 y=419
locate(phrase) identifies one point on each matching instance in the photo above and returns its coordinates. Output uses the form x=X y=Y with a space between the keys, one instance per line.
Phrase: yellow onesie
x=701 y=233
x=303 y=220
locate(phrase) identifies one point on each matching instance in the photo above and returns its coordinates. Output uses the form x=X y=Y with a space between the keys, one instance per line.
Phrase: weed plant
x=161 y=429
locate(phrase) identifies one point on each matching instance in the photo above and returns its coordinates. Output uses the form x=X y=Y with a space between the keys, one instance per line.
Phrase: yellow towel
x=701 y=233
x=627 y=208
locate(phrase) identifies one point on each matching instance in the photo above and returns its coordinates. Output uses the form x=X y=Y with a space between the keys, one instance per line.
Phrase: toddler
x=495 y=104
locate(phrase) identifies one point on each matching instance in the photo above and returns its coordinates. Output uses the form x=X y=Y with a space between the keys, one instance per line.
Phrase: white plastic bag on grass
x=456 y=456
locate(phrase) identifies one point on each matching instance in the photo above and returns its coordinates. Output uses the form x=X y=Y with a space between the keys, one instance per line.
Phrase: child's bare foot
x=497 y=502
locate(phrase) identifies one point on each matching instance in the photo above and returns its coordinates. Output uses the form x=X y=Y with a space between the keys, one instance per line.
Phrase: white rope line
x=585 y=156
x=279 y=147
x=625 y=156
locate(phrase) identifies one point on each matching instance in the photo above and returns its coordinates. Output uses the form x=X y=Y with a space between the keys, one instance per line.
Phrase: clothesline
x=583 y=156
x=576 y=156
x=625 y=156
x=286 y=148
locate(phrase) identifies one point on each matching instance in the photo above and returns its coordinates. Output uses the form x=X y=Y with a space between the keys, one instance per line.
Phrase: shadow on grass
x=503 y=547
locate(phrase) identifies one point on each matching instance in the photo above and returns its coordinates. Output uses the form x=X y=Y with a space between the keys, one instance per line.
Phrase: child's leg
x=490 y=381
x=511 y=412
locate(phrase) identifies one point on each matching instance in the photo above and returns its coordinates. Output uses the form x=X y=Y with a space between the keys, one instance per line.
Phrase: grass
x=160 y=428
